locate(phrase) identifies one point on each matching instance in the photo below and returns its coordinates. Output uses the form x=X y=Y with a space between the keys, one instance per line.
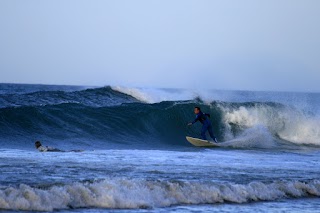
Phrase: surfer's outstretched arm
x=194 y=121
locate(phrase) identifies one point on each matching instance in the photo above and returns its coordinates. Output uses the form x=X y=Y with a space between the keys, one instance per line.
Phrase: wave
x=141 y=193
x=95 y=97
x=141 y=125
x=111 y=116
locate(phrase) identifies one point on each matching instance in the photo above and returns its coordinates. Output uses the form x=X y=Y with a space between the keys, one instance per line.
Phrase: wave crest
x=140 y=193
x=94 y=97
x=285 y=122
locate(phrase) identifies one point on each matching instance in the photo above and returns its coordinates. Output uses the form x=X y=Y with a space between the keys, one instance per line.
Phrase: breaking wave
x=141 y=193
x=107 y=117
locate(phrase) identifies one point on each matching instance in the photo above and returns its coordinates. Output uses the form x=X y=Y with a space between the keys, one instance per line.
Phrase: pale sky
x=226 y=44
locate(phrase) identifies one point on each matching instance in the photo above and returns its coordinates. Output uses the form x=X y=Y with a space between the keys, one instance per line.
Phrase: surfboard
x=201 y=143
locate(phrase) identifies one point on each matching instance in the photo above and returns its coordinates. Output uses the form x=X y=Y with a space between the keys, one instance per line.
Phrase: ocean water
x=136 y=158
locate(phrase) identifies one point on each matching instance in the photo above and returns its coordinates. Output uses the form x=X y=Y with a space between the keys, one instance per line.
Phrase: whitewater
x=136 y=158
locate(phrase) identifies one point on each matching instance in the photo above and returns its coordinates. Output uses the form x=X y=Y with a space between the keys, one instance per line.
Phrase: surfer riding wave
x=206 y=124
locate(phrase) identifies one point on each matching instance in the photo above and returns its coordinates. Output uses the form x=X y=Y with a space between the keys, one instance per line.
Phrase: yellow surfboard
x=201 y=143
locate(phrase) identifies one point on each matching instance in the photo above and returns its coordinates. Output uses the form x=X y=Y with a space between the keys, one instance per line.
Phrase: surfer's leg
x=210 y=130
x=203 y=132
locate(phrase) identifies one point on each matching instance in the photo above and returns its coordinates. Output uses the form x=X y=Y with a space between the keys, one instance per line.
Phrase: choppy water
x=136 y=157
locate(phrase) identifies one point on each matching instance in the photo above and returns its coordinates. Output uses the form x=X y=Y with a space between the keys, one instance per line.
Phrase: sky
x=226 y=44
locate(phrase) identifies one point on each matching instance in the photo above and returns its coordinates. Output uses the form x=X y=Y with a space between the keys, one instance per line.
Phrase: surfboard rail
x=201 y=143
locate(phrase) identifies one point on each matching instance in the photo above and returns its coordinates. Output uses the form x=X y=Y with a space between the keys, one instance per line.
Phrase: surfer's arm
x=42 y=149
x=52 y=149
x=194 y=121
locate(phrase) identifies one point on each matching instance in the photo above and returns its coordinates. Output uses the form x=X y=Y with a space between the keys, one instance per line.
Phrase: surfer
x=206 y=124
x=41 y=148
x=45 y=148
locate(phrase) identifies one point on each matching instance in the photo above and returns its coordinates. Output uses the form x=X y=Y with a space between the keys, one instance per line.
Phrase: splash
x=285 y=122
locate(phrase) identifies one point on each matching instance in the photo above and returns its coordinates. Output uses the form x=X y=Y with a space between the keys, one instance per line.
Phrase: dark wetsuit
x=206 y=125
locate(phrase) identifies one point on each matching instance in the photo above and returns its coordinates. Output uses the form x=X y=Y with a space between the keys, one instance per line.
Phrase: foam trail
x=255 y=137
x=140 y=193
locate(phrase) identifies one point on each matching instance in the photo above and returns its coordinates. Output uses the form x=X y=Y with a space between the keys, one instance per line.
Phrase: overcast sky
x=244 y=45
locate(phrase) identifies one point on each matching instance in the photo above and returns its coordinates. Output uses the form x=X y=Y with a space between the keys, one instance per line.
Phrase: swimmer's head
x=37 y=144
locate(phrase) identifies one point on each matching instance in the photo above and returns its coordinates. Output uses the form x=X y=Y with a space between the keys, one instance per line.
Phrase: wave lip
x=141 y=193
x=148 y=95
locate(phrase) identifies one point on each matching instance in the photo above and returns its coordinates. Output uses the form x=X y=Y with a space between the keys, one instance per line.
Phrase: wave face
x=140 y=193
x=108 y=118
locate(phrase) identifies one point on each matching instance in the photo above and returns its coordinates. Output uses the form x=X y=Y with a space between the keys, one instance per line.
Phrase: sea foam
x=141 y=193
